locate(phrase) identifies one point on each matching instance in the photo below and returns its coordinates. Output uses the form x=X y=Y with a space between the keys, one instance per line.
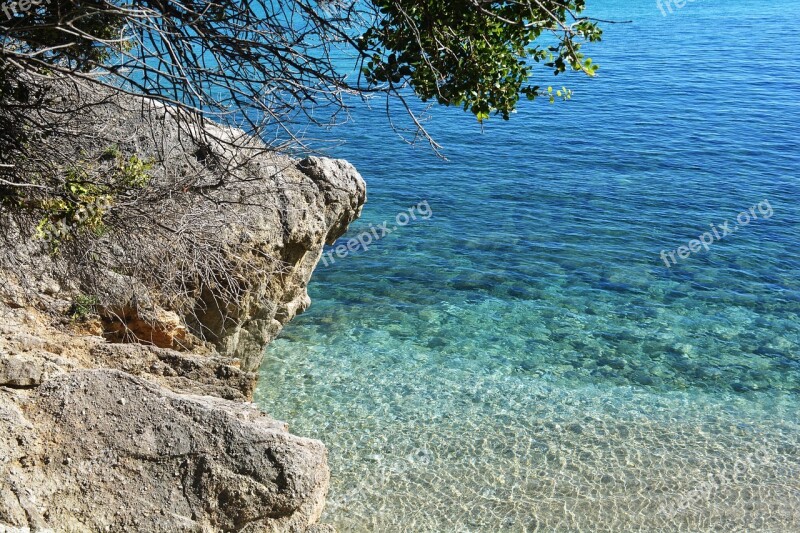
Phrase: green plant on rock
x=82 y=203
x=83 y=306
x=79 y=205
x=133 y=172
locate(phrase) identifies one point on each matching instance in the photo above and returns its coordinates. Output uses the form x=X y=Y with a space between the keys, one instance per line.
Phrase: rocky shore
x=101 y=434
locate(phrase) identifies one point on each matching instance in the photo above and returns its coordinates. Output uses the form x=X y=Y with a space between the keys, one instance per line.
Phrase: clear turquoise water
x=524 y=360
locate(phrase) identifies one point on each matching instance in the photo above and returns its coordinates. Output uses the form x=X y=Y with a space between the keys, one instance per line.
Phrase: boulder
x=101 y=450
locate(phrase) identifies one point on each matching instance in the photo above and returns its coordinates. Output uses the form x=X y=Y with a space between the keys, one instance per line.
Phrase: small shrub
x=83 y=306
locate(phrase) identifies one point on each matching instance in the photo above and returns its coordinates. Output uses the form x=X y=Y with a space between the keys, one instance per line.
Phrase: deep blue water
x=523 y=358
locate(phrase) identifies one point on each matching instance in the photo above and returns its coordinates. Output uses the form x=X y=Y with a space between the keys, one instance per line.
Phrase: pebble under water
x=523 y=359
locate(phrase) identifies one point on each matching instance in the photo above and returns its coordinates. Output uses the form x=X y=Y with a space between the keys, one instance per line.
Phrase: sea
x=584 y=319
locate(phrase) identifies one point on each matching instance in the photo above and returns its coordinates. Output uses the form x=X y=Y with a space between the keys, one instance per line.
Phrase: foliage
x=264 y=61
x=478 y=55
x=132 y=172
x=77 y=34
x=81 y=204
x=107 y=193
x=83 y=306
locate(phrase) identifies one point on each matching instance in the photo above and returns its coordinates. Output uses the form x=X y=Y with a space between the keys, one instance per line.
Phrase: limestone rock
x=161 y=328
x=321 y=198
x=20 y=372
x=157 y=461
x=99 y=434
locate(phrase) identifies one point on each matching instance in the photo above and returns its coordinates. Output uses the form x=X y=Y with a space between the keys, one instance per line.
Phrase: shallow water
x=523 y=358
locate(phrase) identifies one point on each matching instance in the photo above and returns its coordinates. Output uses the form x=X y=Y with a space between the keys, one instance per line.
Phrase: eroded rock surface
x=101 y=434
x=319 y=199
x=147 y=459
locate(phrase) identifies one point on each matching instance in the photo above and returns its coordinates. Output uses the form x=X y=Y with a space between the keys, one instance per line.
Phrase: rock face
x=320 y=198
x=101 y=434
x=147 y=459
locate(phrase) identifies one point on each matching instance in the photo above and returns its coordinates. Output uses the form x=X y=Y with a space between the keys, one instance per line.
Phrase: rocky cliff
x=135 y=415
